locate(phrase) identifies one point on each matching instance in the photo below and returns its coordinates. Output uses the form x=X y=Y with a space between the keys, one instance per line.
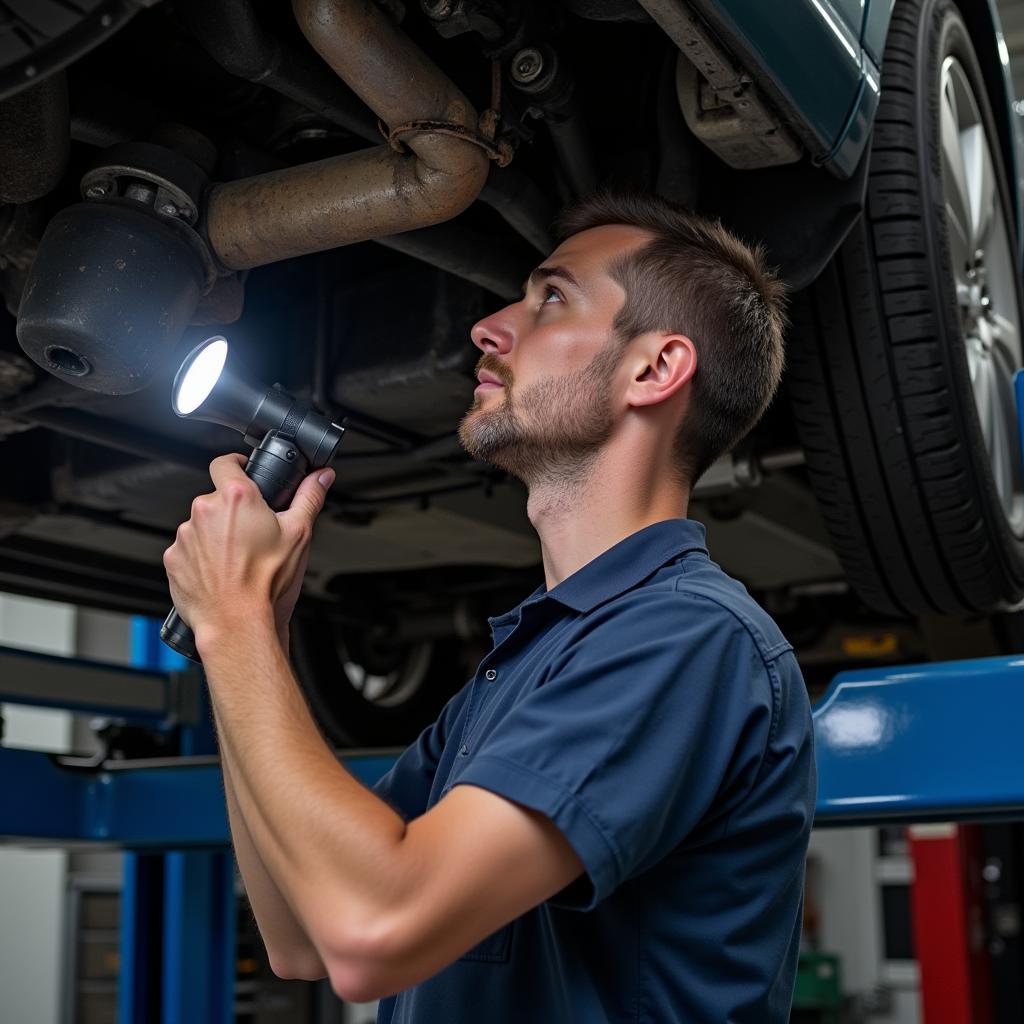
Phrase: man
x=609 y=822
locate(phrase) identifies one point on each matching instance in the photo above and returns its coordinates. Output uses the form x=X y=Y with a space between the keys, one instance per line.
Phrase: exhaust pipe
x=118 y=277
x=369 y=193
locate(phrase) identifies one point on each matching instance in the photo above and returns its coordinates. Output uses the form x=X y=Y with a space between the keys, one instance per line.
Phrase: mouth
x=488 y=382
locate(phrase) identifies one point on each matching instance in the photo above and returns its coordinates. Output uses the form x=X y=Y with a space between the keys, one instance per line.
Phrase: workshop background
x=61 y=948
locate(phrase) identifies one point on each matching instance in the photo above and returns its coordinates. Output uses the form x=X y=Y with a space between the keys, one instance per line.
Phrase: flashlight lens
x=197 y=379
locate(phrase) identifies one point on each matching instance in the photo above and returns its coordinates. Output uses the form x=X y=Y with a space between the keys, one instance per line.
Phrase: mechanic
x=609 y=822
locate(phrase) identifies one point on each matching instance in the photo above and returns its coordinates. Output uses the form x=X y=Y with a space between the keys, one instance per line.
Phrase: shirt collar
x=626 y=564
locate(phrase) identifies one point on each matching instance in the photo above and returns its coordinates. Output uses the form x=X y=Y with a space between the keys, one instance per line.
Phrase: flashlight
x=288 y=439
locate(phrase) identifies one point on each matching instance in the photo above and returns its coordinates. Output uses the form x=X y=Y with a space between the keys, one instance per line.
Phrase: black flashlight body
x=289 y=438
x=277 y=467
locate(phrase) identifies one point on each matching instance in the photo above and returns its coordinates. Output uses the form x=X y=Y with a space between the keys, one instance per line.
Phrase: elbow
x=300 y=967
x=356 y=984
x=366 y=964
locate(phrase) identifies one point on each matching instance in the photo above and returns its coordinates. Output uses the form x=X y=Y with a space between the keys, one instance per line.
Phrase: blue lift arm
x=917 y=743
x=935 y=742
x=133 y=805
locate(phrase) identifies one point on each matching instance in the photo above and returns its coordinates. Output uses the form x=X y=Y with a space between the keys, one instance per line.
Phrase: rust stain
x=374 y=192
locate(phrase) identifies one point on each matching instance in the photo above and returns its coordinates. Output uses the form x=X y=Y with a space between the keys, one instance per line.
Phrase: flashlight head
x=198 y=375
x=210 y=386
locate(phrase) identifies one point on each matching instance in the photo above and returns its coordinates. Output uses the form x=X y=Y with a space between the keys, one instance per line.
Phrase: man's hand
x=235 y=561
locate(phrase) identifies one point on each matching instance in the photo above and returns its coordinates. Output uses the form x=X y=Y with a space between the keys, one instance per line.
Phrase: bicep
x=480 y=861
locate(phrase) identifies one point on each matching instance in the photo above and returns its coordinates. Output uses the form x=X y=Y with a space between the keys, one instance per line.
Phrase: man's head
x=641 y=304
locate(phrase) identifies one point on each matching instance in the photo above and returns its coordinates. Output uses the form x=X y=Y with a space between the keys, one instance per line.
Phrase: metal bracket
x=742 y=471
x=94 y=687
x=720 y=102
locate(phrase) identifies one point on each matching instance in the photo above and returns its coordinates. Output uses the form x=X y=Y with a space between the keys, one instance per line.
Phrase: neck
x=578 y=519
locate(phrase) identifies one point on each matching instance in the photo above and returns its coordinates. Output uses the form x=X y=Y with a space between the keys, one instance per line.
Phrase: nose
x=495 y=333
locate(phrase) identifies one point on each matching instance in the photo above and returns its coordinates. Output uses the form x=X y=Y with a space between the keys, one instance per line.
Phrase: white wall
x=847 y=873
x=32 y=881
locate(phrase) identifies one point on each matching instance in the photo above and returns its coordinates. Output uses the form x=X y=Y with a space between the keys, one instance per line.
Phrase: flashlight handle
x=277 y=467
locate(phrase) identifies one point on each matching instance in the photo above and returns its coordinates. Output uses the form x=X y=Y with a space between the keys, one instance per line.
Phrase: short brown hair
x=696 y=278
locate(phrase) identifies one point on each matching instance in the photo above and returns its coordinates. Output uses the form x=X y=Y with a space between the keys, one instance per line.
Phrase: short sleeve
x=407 y=784
x=651 y=725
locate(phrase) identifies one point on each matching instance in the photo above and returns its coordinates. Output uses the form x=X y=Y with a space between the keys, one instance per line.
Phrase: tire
x=907 y=420
x=363 y=695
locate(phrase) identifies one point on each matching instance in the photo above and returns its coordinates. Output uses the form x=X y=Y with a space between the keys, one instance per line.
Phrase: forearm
x=331 y=846
x=291 y=952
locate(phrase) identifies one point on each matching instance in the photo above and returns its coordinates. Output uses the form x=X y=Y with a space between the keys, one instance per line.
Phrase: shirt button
x=465 y=750
x=490 y=675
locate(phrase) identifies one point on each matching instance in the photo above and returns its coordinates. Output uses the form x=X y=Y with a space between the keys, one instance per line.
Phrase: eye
x=549 y=292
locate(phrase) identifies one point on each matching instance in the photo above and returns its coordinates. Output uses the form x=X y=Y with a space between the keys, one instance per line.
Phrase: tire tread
x=871 y=385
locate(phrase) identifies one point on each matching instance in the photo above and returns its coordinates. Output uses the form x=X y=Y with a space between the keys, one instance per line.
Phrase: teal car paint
x=808 y=53
x=877 y=16
x=854 y=137
x=852 y=13
x=821 y=60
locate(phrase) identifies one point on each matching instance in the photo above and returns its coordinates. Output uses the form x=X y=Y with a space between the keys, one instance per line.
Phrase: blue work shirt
x=654 y=712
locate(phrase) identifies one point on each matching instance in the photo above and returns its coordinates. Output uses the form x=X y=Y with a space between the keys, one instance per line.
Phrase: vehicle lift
x=893 y=745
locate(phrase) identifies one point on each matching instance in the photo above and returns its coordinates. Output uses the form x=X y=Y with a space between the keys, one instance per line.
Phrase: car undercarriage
x=179 y=169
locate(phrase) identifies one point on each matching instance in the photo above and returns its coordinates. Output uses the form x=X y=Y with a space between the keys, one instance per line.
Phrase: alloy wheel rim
x=984 y=273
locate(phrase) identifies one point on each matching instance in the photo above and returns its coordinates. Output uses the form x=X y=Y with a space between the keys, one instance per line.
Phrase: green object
x=818 y=985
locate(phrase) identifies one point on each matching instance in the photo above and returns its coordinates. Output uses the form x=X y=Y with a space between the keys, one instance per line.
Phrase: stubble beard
x=550 y=432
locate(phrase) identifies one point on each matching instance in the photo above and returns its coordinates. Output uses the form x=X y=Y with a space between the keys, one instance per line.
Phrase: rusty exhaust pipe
x=369 y=193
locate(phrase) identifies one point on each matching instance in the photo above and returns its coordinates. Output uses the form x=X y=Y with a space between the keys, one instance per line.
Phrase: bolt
x=97 y=191
x=106 y=21
x=169 y=210
x=993 y=870
x=437 y=9
x=527 y=65
x=30 y=71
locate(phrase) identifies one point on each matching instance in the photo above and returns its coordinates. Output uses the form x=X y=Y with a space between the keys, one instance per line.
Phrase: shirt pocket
x=495 y=949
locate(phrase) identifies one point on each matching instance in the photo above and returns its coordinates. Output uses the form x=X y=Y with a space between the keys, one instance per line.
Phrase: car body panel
x=824 y=59
x=809 y=53
x=877 y=15
x=854 y=138
x=852 y=13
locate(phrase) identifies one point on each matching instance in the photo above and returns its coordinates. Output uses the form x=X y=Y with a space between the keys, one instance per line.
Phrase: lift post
x=186 y=897
x=178 y=899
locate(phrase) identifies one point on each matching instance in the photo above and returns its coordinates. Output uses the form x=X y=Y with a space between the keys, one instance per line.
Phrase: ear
x=663 y=364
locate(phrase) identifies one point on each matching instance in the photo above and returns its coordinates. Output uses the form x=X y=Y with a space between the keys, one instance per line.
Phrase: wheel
x=370 y=693
x=903 y=353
